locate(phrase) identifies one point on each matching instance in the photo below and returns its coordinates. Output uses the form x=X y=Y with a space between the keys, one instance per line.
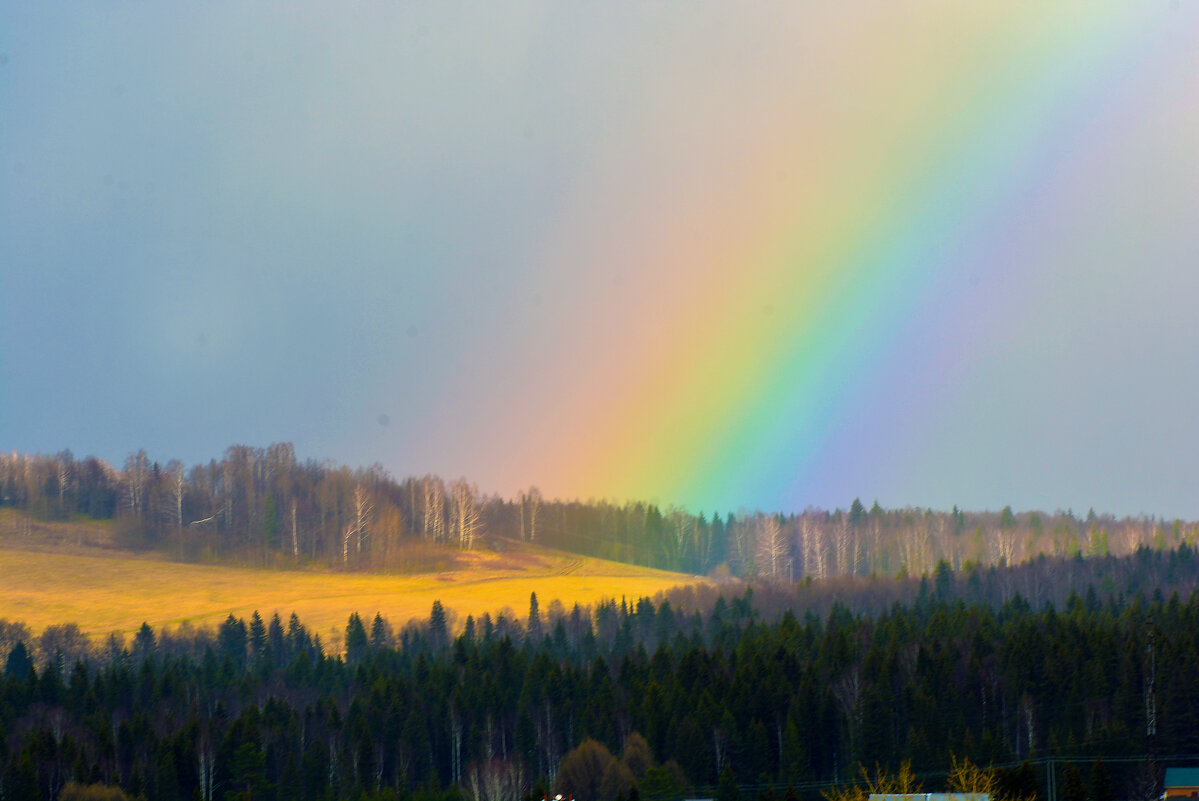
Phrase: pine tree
x=18 y=665
x=1073 y=787
x=439 y=636
x=534 y=628
x=1101 y=783
x=231 y=640
x=143 y=643
x=380 y=637
x=726 y=787
x=356 y=640
x=257 y=637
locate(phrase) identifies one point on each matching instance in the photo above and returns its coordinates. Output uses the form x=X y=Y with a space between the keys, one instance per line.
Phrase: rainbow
x=848 y=244
x=713 y=255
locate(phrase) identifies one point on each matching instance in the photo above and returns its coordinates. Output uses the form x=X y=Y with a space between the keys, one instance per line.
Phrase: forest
x=264 y=507
x=724 y=692
x=829 y=646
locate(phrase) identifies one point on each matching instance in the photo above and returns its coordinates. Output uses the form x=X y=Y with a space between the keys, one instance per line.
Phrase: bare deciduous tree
x=466 y=514
x=137 y=469
x=772 y=546
x=680 y=529
x=434 y=502
x=843 y=541
x=815 y=555
x=65 y=462
x=358 y=529
x=530 y=505
x=176 y=487
x=295 y=538
x=496 y=780
x=743 y=543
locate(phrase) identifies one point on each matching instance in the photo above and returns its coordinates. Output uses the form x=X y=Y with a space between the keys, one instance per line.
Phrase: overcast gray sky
x=723 y=255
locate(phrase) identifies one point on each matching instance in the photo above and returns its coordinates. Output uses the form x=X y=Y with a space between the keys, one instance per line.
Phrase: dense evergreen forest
x=265 y=507
x=728 y=694
x=1057 y=646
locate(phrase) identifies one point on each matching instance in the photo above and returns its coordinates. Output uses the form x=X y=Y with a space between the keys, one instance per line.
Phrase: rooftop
x=1182 y=777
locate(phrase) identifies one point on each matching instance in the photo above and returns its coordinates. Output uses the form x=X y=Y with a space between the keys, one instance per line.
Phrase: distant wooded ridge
x=264 y=506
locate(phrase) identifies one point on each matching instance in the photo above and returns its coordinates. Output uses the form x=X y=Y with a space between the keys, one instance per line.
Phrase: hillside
x=264 y=507
x=726 y=703
x=50 y=581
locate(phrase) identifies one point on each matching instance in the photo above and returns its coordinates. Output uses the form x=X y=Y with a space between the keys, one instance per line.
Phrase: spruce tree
x=534 y=628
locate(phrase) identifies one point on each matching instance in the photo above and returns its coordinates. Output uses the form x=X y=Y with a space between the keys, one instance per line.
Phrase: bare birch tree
x=531 y=504
x=363 y=511
x=815 y=552
x=1005 y=545
x=295 y=538
x=137 y=470
x=358 y=528
x=874 y=556
x=176 y=488
x=843 y=537
x=744 y=542
x=205 y=764
x=680 y=529
x=465 y=514
x=496 y=780
x=772 y=545
x=65 y=463
x=434 y=503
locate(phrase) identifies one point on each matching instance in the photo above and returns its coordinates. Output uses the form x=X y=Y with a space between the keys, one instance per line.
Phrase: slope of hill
x=265 y=507
x=116 y=591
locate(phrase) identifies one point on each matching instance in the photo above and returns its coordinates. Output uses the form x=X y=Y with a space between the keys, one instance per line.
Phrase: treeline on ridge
x=264 y=506
x=648 y=698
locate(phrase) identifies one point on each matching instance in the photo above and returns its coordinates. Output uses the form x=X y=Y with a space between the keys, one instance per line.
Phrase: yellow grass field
x=117 y=592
